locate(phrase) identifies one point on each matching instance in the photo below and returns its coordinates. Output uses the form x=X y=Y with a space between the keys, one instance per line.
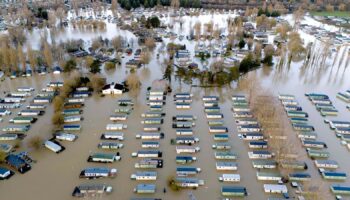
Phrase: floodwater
x=55 y=175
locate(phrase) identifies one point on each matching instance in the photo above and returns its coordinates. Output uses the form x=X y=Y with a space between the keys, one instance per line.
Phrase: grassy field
x=335 y=13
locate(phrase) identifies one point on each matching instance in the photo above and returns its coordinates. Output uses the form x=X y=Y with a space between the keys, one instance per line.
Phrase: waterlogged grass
x=335 y=13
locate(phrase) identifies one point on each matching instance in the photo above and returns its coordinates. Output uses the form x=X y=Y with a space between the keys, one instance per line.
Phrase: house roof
x=15 y=161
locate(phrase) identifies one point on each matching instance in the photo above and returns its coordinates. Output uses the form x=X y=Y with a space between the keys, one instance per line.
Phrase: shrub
x=35 y=142
x=109 y=66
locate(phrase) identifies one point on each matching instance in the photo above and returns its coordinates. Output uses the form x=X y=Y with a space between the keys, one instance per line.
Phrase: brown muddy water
x=54 y=176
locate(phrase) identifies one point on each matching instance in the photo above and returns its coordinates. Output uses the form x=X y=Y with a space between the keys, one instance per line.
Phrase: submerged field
x=333 y=14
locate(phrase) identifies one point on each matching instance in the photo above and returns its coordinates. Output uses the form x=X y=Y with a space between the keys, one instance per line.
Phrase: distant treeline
x=129 y=4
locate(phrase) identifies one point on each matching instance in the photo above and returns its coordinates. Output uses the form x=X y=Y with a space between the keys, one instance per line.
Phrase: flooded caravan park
x=54 y=176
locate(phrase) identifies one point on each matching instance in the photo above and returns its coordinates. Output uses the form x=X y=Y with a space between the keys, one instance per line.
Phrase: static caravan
x=314 y=144
x=187 y=171
x=72 y=127
x=214 y=115
x=187 y=140
x=181 y=124
x=288 y=102
x=73 y=105
x=326 y=164
x=330 y=175
x=147 y=154
x=214 y=109
x=187 y=149
x=144 y=176
x=184 y=132
x=340 y=190
x=22 y=120
x=25 y=89
x=230 y=178
x=183 y=95
x=123 y=110
x=264 y=164
x=293 y=164
x=215 y=122
x=210 y=98
x=153 y=115
x=188 y=182
x=55 y=84
x=260 y=154
x=4 y=105
x=253 y=136
x=79 y=94
x=119 y=117
x=299 y=176
x=299 y=114
x=218 y=129
x=240 y=108
x=221 y=137
x=12 y=99
x=104 y=157
x=21 y=94
x=221 y=146
x=45 y=100
x=183 y=105
x=4 y=112
x=112 y=136
x=240 y=103
x=307 y=135
x=238 y=97
x=30 y=112
x=268 y=176
x=36 y=106
x=116 y=127
x=303 y=127
x=184 y=118
x=259 y=144
x=185 y=159
x=110 y=145
x=149 y=163
x=65 y=136
x=145 y=189
x=338 y=124
x=156 y=103
x=53 y=146
x=242 y=114
x=156 y=98
x=233 y=191
x=156 y=108
x=246 y=121
x=125 y=102
x=156 y=121
x=275 y=188
x=73 y=111
x=8 y=137
x=98 y=172
x=286 y=96
x=226 y=166
x=150 y=136
x=5 y=173
x=150 y=144
x=86 y=190
x=211 y=103
x=342 y=130
x=16 y=128
x=184 y=100
x=225 y=155
x=72 y=119
x=76 y=100
x=313 y=153
x=249 y=128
